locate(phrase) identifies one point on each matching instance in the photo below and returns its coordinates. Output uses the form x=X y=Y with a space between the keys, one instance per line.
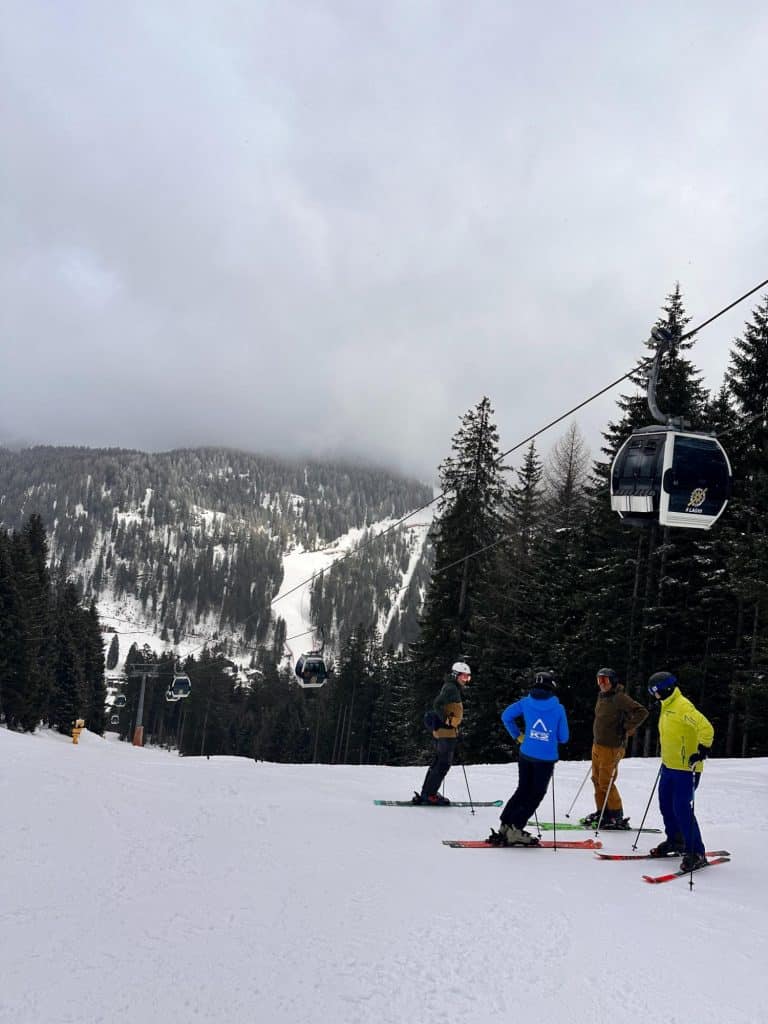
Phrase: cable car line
x=735 y=302
x=638 y=368
x=520 y=444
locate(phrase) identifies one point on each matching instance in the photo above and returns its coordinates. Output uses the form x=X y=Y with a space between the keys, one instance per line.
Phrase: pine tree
x=747 y=379
x=113 y=655
x=13 y=629
x=466 y=527
x=68 y=696
x=508 y=621
x=93 y=670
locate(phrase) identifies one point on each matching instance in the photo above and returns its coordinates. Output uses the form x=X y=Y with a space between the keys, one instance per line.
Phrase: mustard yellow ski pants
x=604 y=761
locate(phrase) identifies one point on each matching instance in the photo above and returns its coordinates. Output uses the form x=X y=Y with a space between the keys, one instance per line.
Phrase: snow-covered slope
x=139 y=886
x=293 y=599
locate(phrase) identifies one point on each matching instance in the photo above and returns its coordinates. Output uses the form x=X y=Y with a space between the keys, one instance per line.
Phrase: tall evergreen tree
x=466 y=527
x=68 y=696
x=113 y=655
x=747 y=378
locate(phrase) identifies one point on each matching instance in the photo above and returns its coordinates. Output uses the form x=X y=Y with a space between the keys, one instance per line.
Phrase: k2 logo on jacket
x=539 y=731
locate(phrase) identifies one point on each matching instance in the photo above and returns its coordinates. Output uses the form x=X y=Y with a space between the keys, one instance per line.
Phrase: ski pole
x=460 y=757
x=655 y=784
x=538 y=826
x=614 y=773
x=472 y=806
x=689 y=844
x=554 y=813
x=578 y=794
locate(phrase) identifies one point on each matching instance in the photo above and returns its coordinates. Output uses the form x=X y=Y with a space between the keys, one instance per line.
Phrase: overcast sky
x=332 y=227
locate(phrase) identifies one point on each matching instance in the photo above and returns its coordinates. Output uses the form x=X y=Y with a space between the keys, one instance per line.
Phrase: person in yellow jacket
x=686 y=738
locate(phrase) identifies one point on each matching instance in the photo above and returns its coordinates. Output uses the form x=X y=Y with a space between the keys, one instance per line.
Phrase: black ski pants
x=441 y=763
x=532 y=782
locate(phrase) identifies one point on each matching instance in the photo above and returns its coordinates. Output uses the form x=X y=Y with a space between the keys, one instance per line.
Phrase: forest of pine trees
x=557 y=581
x=528 y=570
x=51 y=652
x=199 y=535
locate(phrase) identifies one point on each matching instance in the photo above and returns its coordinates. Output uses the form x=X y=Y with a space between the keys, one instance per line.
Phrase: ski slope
x=139 y=886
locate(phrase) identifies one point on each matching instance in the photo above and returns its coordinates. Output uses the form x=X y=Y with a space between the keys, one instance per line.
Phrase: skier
x=448 y=713
x=686 y=738
x=617 y=717
x=545 y=727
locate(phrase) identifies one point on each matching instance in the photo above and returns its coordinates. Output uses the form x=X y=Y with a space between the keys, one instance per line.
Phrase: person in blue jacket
x=545 y=727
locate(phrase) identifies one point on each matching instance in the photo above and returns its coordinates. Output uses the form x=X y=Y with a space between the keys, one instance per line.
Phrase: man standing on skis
x=448 y=714
x=686 y=738
x=617 y=717
x=545 y=727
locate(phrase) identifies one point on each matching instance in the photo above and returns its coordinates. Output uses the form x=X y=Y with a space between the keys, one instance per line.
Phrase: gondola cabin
x=312 y=670
x=120 y=701
x=181 y=686
x=673 y=477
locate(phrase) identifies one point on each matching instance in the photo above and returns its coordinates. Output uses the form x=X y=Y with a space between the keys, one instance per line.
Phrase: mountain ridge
x=202 y=536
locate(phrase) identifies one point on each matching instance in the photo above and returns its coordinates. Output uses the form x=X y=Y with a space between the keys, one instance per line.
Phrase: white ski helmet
x=459 y=668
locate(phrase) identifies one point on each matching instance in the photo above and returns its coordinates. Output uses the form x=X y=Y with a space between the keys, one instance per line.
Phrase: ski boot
x=509 y=835
x=591 y=820
x=436 y=800
x=693 y=861
x=615 y=821
x=667 y=848
x=417 y=798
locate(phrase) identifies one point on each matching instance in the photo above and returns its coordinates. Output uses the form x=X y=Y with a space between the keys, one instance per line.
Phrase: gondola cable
x=520 y=444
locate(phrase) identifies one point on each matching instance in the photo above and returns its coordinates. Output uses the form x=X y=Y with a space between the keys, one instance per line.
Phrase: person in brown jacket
x=617 y=717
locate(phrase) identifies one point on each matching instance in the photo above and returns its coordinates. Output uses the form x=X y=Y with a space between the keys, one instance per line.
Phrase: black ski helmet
x=661 y=683
x=545 y=681
x=608 y=673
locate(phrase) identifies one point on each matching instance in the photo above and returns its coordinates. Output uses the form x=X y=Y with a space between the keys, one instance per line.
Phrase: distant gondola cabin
x=311 y=670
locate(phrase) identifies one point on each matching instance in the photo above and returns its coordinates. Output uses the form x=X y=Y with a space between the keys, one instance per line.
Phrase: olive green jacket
x=616 y=717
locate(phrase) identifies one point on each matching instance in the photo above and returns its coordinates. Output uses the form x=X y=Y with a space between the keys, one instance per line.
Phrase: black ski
x=453 y=803
x=647 y=856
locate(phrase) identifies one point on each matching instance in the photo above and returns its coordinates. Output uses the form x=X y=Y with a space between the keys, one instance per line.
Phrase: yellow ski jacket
x=681 y=729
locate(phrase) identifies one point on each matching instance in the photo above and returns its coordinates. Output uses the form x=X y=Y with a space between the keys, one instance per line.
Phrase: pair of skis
x=713 y=857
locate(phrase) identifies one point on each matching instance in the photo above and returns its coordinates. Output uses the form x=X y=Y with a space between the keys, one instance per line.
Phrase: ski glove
x=700 y=754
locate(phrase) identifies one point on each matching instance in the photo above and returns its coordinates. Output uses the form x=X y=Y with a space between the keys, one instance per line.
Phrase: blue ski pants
x=676 y=789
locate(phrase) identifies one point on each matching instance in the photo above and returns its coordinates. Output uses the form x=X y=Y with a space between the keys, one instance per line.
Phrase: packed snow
x=140 y=886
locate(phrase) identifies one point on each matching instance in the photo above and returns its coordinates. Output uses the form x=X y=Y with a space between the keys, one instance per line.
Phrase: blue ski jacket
x=546 y=726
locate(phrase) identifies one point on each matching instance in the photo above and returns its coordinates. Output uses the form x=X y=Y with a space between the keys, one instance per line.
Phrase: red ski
x=543 y=844
x=657 y=879
x=647 y=856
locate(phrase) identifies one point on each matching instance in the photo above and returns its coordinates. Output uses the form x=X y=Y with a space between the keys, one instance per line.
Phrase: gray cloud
x=332 y=227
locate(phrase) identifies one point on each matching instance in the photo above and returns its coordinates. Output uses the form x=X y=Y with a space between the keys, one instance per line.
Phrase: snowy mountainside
x=185 y=547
